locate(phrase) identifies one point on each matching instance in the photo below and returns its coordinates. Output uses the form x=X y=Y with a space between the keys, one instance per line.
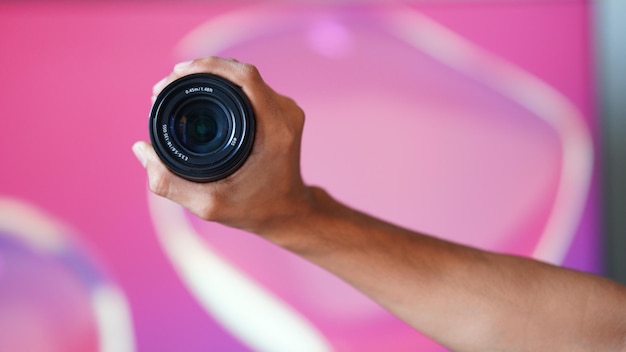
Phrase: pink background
x=470 y=166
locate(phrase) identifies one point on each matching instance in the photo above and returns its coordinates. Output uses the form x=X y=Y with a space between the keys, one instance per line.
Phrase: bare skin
x=464 y=298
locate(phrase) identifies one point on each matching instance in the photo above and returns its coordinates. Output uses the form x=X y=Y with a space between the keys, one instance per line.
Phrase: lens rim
x=223 y=161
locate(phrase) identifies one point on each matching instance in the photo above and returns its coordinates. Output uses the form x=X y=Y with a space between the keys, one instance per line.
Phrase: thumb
x=160 y=180
x=140 y=149
x=148 y=158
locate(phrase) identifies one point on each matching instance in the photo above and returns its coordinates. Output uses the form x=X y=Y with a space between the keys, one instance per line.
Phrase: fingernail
x=181 y=65
x=139 y=153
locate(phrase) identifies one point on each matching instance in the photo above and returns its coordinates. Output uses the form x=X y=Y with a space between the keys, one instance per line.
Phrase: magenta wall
x=470 y=121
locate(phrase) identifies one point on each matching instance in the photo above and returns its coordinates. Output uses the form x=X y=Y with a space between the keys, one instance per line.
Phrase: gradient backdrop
x=470 y=121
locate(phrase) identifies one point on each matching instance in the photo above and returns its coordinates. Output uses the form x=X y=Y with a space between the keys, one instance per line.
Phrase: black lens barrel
x=202 y=127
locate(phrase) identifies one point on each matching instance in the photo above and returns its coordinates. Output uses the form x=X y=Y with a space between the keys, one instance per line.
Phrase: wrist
x=292 y=228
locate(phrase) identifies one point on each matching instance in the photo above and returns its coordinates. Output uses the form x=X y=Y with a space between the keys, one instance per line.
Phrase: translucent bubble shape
x=405 y=120
x=53 y=296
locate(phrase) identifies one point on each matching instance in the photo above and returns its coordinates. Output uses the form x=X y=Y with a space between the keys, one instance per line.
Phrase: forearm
x=464 y=298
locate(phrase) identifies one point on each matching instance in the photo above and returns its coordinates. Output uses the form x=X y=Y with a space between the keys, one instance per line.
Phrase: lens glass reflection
x=201 y=127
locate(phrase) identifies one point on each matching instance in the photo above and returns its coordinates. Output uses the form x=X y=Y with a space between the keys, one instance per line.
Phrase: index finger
x=244 y=75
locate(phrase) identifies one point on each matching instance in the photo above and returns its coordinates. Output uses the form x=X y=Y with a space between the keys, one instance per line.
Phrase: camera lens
x=202 y=127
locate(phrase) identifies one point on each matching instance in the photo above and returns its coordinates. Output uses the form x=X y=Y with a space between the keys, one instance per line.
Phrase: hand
x=496 y=302
x=268 y=189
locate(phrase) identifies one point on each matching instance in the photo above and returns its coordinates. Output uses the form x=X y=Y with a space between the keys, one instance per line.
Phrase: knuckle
x=249 y=69
x=216 y=204
x=249 y=72
x=207 y=211
x=204 y=61
x=299 y=114
x=159 y=184
x=296 y=117
x=209 y=206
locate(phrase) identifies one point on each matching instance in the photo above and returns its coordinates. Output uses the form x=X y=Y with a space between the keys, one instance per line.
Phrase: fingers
x=159 y=177
x=242 y=74
x=271 y=171
x=140 y=153
x=161 y=181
